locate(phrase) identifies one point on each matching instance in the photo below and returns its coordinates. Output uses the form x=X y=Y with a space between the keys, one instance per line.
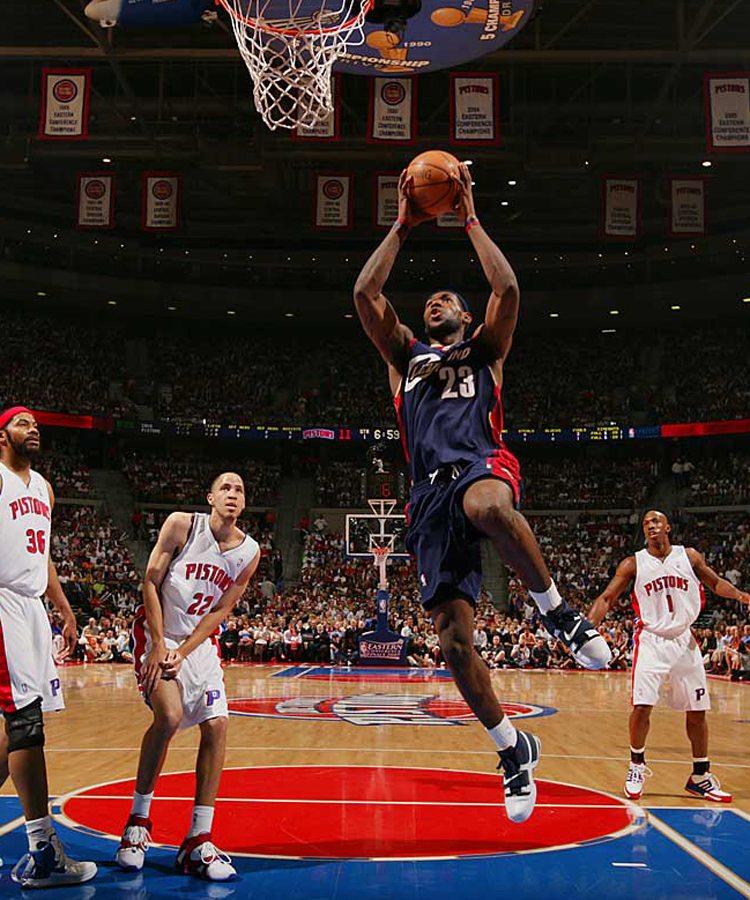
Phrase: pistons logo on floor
x=375 y=709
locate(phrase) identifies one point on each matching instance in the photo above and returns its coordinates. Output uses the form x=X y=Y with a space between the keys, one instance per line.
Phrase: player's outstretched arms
x=501 y=315
x=606 y=600
x=378 y=317
x=211 y=621
x=712 y=580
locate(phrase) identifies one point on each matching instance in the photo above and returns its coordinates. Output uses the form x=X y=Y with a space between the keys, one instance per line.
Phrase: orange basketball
x=433 y=188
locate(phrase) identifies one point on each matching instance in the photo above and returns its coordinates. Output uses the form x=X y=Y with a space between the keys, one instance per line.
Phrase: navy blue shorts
x=445 y=543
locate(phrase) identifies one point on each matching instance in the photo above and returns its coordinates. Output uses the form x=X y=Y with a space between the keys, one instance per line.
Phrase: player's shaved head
x=230 y=477
x=656 y=512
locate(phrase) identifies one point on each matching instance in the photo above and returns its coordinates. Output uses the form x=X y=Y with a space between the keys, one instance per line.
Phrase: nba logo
x=383 y=604
x=211 y=696
x=55 y=686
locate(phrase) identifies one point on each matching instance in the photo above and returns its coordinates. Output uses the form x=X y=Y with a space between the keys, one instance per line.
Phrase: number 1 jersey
x=449 y=407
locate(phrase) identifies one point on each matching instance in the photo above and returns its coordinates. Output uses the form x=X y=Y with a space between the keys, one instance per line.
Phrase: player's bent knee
x=25 y=727
x=491 y=516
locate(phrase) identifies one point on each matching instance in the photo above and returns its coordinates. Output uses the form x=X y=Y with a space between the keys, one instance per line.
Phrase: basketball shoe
x=708 y=787
x=131 y=854
x=518 y=764
x=199 y=856
x=585 y=643
x=637 y=774
x=48 y=866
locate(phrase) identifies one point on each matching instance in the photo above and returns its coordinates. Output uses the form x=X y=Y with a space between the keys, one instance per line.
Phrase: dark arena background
x=176 y=287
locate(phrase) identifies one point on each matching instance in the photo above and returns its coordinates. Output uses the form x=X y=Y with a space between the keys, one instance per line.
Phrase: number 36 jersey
x=25 y=518
x=667 y=596
x=449 y=407
x=198 y=576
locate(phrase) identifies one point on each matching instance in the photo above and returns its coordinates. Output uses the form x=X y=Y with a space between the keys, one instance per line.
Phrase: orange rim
x=292 y=32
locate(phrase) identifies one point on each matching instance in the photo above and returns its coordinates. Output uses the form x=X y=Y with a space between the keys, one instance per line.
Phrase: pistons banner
x=386 y=199
x=329 y=128
x=332 y=207
x=393 y=110
x=728 y=112
x=95 y=200
x=687 y=206
x=475 y=110
x=621 y=208
x=162 y=201
x=64 y=113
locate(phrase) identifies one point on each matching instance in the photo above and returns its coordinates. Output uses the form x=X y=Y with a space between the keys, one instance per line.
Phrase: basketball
x=434 y=186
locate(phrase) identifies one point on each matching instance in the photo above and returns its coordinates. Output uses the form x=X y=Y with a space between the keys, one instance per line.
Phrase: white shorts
x=657 y=658
x=27 y=667
x=201 y=679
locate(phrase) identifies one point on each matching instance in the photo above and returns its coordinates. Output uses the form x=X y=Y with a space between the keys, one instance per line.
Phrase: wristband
x=470 y=223
x=400 y=221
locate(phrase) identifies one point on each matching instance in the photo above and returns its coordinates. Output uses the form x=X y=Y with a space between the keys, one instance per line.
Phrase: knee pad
x=25 y=727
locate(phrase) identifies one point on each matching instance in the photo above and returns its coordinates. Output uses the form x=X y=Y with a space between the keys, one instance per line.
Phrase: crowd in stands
x=587 y=483
x=67 y=472
x=340 y=484
x=185 y=480
x=574 y=378
x=722 y=480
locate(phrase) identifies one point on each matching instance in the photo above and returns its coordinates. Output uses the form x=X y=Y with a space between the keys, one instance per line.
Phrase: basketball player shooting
x=667 y=599
x=29 y=684
x=465 y=482
x=197 y=572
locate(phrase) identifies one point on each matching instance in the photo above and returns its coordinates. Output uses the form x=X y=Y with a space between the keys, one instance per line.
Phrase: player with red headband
x=29 y=685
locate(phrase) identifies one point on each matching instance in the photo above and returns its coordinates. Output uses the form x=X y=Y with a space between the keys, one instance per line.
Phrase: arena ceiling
x=588 y=88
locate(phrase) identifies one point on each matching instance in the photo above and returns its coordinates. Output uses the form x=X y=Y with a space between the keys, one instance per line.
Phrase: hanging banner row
x=161 y=200
x=622 y=204
x=474 y=110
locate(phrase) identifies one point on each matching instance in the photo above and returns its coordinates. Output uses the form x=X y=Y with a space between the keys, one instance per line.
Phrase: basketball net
x=380 y=554
x=289 y=48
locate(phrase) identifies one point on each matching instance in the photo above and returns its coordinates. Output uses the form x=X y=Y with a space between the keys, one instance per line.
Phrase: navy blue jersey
x=449 y=408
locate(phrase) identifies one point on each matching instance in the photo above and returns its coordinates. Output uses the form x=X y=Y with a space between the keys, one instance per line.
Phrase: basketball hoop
x=289 y=48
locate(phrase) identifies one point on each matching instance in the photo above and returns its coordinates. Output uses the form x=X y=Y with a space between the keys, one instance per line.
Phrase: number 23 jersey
x=198 y=576
x=449 y=406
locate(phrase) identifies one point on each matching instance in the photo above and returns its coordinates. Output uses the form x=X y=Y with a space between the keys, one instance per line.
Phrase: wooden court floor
x=379 y=783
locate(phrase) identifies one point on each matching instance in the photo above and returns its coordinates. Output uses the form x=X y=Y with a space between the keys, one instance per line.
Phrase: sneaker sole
x=538 y=744
x=632 y=796
x=54 y=881
x=712 y=797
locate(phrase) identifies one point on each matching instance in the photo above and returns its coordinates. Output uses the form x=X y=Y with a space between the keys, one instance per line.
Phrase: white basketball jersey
x=25 y=519
x=667 y=597
x=198 y=576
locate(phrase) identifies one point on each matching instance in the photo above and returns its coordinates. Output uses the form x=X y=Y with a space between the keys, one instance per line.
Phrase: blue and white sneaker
x=518 y=764
x=49 y=867
x=586 y=645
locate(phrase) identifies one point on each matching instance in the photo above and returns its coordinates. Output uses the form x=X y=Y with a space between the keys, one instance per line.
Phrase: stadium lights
x=512 y=182
x=503 y=203
x=171 y=308
x=706 y=163
x=468 y=162
x=28 y=231
x=746 y=299
x=609 y=330
x=288 y=315
x=627 y=253
x=106 y=159
x=675 y=307
x=41 y=293
x=554 y=315
x=348 y=316
x=231 y=312
x=111 y=302
x=614 y=312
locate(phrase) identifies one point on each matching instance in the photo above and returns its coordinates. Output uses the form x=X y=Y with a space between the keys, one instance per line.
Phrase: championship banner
x=621 y=208
x=329 y=129
x=332 y=207
x=64 y=113
x=728 y=112
x=385 y=204
x=475 y=108
x=95 y=200
x=393 y=110
x=162 y=201
x=687 y=206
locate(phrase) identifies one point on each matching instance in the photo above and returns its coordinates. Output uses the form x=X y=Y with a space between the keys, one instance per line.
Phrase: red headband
x=11 y=413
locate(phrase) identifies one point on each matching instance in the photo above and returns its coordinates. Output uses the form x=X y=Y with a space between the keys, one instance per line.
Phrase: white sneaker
x=199 y=856
x=708 y=787
x=135 y=841
x=637 y=774
x=518 y=764
x=48 y=866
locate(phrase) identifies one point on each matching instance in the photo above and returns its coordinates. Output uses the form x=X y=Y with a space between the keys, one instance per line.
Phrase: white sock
x=547 y=600
x=203 y=819
x=141 y=804
x=503 y=734
x=39 y=831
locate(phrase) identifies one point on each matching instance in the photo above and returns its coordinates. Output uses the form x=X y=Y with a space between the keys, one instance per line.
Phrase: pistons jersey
x=25 y=520
x=198 y=576
x=667 y=596
x=449 y=408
